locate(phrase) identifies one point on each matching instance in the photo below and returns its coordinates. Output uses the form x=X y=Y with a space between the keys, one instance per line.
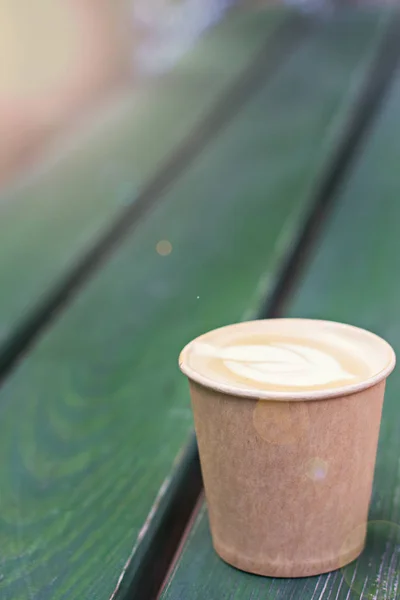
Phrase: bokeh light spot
x=316 y=469
x=164 y=247
x=376 y=573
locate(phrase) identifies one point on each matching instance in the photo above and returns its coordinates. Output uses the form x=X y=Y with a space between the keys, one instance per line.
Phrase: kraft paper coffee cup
x=287 y=471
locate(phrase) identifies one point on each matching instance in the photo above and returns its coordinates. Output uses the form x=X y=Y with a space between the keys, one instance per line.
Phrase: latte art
x=279 y=364
x=286 y=358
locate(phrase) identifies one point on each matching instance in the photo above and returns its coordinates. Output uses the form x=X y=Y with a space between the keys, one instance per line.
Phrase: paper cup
x=288 y=473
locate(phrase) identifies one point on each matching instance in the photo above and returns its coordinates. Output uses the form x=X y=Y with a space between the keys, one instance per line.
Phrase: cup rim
x=318 y=394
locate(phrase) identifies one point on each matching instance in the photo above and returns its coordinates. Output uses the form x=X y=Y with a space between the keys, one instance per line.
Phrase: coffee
x=287 y=415
x=284 y=355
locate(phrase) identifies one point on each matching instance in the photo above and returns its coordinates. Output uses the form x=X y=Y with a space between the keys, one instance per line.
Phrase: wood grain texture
x=353 y=277
x=94 y=417
x=56 y=213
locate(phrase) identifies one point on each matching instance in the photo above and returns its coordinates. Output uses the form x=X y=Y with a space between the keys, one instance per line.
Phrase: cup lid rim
x=316 y=394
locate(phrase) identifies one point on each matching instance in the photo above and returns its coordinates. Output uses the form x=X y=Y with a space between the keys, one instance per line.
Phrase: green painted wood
x=48 y=220
x=353 y=277
x=93 y=419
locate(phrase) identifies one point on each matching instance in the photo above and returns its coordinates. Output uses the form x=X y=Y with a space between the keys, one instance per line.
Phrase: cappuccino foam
x=285 y=355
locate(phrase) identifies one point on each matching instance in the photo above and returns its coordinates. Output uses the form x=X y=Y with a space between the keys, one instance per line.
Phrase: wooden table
x=260 y=177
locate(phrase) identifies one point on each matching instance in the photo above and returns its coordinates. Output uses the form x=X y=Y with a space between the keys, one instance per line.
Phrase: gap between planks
x=362 y=115
x=266 y=62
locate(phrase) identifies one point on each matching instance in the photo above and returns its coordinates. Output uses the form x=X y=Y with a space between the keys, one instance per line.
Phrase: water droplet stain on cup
x=281 y=423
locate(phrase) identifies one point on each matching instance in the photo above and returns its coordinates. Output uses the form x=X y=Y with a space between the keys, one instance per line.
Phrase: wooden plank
x=352 y=278
x=94 y=417
x=60 y=210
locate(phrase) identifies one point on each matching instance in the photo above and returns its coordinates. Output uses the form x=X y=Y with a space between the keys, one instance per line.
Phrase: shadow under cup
x=288 y=476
